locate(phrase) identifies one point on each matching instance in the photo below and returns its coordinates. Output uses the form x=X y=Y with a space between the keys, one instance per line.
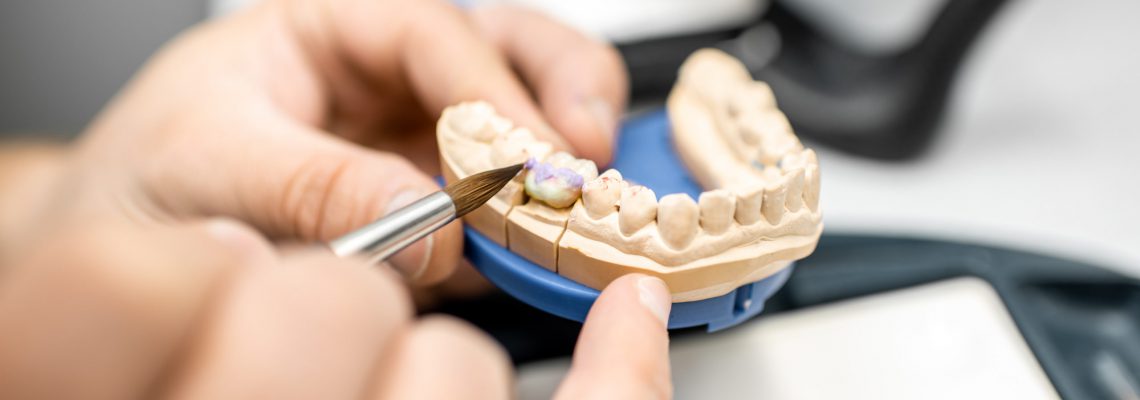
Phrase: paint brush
x=395 y=231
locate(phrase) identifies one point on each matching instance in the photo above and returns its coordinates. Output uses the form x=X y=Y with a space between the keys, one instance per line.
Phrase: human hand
x=271 y=116
x=210 y=310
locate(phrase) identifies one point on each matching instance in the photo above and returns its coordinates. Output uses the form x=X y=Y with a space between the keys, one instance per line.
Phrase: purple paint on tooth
x=530 y=162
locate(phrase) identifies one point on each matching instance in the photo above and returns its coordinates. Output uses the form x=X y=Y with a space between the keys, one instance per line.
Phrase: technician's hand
x=307 y=119
x=209 y=311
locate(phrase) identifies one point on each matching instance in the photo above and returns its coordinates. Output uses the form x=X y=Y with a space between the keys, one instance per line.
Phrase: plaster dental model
x=761 y=210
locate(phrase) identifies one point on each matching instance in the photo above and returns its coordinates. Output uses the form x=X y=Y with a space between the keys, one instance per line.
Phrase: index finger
x=438 y=50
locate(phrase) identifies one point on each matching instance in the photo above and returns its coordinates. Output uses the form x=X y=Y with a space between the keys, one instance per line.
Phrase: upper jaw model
x=760 y=213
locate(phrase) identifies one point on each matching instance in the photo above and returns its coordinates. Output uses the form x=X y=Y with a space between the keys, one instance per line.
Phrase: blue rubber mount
x=644 y=155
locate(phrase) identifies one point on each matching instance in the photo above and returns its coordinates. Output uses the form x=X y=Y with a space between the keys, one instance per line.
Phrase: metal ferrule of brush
x=397 y=230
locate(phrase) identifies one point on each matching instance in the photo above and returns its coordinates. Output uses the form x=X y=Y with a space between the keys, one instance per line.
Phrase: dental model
x=760 y=213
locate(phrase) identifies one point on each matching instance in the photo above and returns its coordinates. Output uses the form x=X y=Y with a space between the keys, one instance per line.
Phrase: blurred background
x=982 y=235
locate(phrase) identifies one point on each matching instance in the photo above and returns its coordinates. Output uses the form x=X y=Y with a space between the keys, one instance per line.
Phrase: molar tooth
x=586 y=168
x=752 y=98
x=538 y=150
x=717 y=208
x=677 y=220
x=473 y=120
x=748 y=203
x=794 y=199
x=791 y=160
x=559 y=159
x=515 y=147
x=811 y=179
x=638 y=207
x=811 y=187
x=810 y=157
x=601 y=195
x=773 y=207
x=612 y=174
x=499 y=126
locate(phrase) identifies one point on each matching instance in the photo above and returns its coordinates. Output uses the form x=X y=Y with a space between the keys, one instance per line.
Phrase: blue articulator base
x=645 y=155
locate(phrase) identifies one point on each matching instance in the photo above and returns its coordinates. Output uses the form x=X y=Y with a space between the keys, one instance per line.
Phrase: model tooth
x=811 y=179
x=559 y=159
x=499 y=126
x=794 y=199
x=538 y=150
x=509 y=150
x=717 y=209
x=600 y=196
x=774 y=123
x=478 y=121
x=773 y=207
x=612 y=174
x=791 y=161
x=586 y=168
x=748 y=203
x=677 y=220
x=638 y=208
x=749 y=131
x=811 y=187
x=810 y=157
x=752 y=98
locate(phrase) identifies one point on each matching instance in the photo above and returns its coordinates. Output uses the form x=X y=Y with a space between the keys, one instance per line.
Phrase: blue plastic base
x=644 y=155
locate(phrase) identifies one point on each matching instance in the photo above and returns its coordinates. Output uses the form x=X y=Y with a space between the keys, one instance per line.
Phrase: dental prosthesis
x=760 y=213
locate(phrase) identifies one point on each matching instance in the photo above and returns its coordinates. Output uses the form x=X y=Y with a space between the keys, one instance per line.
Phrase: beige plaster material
x=760 y=213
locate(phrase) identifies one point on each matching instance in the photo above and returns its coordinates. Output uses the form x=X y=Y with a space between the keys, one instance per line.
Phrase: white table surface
x=947 y=340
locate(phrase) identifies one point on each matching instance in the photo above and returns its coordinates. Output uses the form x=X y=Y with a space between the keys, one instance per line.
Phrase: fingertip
x=432 y=259
x=237 y=237
x=589 y=125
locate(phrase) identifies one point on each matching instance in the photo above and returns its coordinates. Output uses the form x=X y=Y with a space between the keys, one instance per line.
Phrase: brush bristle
x=471 y=192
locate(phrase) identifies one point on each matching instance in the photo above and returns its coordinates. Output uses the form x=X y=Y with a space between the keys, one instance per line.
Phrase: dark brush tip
x=471 y=192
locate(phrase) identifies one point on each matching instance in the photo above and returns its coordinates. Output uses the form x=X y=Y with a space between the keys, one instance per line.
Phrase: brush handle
x=395 y=231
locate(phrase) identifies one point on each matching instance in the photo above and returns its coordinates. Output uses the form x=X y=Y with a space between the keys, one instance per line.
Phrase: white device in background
x=619 y=21
x=625 y=21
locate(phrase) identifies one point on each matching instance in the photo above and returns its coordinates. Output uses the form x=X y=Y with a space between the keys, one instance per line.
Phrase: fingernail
x=603 y=113
x=655 y=297
x=413 y=260
x=403 y=198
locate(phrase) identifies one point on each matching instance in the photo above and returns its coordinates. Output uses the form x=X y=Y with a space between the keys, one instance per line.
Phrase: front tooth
x=773 y=207
x=638 y=207
x=794 y=199
x=717 y=208
x=748 y=204
x=601 y=195
x=677 y=220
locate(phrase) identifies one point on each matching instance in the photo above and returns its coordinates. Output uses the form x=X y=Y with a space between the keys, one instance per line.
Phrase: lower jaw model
x=760 y=211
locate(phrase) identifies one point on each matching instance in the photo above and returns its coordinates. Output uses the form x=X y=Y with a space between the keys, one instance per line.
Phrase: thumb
x=623 y=350
x=303 y=184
